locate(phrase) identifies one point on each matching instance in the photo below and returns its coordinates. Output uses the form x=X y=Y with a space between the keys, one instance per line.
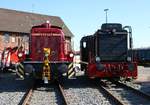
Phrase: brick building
x=15 y=27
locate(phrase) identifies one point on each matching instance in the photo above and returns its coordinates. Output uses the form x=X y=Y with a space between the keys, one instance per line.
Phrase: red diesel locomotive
x=106 y=53
x=49 y=55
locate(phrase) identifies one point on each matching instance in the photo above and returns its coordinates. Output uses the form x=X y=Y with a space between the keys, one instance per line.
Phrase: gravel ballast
x=11 y=89
x=83 y=92
x=45 y=96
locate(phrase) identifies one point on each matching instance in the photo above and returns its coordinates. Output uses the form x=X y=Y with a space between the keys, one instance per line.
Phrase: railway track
x=11 y=89
x=51 y=94
x=72 y=92
x=82 y=92
x=27 y=96
x=122 y=94
x=62 y=93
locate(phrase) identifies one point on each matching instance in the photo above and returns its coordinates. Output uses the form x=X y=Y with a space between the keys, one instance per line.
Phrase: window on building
x=13 y=39
x=26 y=39
x=6 y=37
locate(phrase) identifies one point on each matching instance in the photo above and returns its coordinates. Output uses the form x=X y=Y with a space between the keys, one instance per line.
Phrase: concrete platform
x=143 y=74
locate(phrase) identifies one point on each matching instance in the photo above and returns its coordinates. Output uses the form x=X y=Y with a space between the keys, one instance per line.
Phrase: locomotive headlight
x=71 y=55
x=97 y=59
x=20 y=54
x=129 y=59
x=99 y=66
x=114 y=30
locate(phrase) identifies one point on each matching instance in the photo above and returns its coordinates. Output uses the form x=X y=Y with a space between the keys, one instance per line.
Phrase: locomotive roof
x=18 y=21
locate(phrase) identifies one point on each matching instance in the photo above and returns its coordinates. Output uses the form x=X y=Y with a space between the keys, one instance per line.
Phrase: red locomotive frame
x=112 y=70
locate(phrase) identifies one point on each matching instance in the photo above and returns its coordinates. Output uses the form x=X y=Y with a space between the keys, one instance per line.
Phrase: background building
x=15 y=27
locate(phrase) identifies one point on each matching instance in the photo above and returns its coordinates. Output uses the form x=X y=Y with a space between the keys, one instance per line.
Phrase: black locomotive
x=106 y=52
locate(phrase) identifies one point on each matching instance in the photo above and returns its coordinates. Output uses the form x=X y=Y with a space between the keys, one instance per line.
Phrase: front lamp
x=129 y=59
x=97 y=59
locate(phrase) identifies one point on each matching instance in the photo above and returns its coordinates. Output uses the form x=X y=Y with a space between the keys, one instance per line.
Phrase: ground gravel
x=12 y=89
x=46 y=95
x=80 y=91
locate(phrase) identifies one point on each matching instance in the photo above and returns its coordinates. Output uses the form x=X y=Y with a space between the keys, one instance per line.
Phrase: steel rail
x=62 y=93
x=109 y=94
x=142 y=94
x=26 y=97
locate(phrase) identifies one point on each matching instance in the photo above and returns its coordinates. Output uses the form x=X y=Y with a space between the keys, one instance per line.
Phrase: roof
x=18 y=21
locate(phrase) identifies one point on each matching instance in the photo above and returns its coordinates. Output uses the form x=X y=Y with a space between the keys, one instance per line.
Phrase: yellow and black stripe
x=20 y=70
x=71 y=71
x=46 y=72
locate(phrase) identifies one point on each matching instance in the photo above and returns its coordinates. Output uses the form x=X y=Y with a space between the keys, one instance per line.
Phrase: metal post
x=130 y=40
x=106 y=14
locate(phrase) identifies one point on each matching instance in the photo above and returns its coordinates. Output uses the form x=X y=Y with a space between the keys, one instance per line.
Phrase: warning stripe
x=70 y=65
x=21 y=66
x=71 y=75
x=71 y=72
x=46 y=72
x=20 y=70
x=20 y=75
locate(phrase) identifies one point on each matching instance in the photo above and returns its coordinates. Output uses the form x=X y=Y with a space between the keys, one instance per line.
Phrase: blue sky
x=84 y=17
